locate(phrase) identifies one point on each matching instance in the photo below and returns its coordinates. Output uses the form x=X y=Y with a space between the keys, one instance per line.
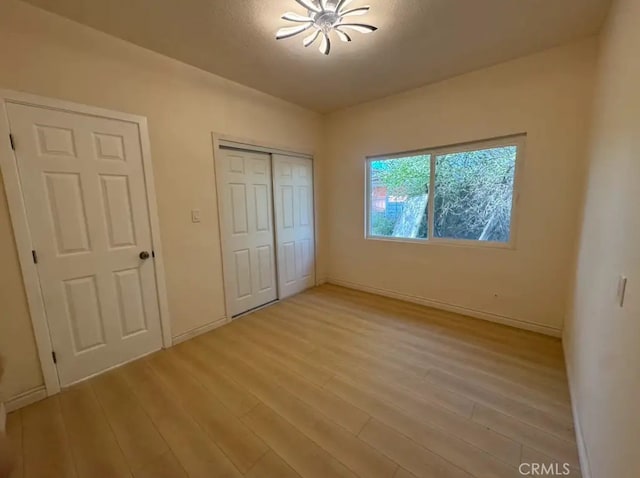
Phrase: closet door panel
x=245 y=194
x=294 y=218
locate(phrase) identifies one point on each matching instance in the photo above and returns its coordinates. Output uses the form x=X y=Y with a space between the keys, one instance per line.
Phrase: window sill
x=446 y=242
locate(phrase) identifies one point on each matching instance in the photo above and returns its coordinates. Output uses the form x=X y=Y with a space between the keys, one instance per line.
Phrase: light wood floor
x=332 y=382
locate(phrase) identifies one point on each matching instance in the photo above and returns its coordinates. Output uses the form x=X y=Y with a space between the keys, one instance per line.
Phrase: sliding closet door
x=293 y=193
x=245 y=194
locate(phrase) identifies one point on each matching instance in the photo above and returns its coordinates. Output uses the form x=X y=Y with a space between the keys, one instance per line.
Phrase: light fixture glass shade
x=324 y=17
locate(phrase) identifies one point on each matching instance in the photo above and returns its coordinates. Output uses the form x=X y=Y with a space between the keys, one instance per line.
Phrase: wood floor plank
x=433 y=351
x=165 y=466
x=402 y=473
x=345 y=446
x=271 y=466
x=562 y=450
x=239 y=443
x=351 y=367
x=562 y=427
x=346 y=363
x=315 y=325
x=137 y=436
x=331 y=382
x=446 y=444
x=408 y=454
x=350 y=350
x=224 y=389
x=409 y=318
x=515 y=392
x=193 y=448
x=531 y=456
x=302 y=454
x=314 y=373
x=46 y=447
x=428 y=422
x=15 y=436
x=269 y=339
x=93 y=445
x=342 y=412
x=413 y=316
x=335 y=338
x=524 y=371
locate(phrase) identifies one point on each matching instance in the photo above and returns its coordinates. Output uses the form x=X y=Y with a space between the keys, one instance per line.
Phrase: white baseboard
x=477 y=314
x=199 y=331
x=585 y=465
x=26 y=398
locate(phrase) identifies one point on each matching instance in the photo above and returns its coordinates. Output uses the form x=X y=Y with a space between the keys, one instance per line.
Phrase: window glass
x=474 y=194
x=399 y=195
x=472 y=197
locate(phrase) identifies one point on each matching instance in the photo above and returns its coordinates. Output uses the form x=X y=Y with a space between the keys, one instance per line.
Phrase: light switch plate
x=195 y=215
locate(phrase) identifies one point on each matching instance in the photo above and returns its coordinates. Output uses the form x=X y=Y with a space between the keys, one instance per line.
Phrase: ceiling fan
x=324 y=17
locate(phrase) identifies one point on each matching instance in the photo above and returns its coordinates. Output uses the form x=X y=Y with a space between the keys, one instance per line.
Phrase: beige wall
x=546 y=95
x=602 y=340
x=47 y=55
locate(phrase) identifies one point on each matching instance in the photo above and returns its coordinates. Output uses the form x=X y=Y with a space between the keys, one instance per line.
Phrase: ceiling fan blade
x=325 y=46
x=359 y=27
x=323 y=5
x=311 y=38
x=355 y=11
x=310 y=5
x=294 y=17
x=342 y=35
x=342 y=4
x=288 y=32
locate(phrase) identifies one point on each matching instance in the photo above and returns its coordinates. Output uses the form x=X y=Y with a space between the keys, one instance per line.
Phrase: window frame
x=517 y=140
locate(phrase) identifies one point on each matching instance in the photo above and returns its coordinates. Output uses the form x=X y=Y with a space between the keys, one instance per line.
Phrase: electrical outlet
x=622 y=289
x=195 y=215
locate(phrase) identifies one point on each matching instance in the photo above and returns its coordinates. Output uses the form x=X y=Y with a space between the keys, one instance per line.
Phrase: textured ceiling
x=419 y=41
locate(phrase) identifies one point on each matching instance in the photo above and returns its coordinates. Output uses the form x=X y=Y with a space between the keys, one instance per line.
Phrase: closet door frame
x=222 y=141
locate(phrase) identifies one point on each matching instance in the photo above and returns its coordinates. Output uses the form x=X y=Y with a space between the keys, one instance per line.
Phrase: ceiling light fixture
x=324 y=17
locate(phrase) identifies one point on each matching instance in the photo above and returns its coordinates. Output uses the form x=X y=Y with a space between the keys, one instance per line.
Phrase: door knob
x=144 y=255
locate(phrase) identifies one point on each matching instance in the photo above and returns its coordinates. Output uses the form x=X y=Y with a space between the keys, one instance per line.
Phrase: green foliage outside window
x=472 y=199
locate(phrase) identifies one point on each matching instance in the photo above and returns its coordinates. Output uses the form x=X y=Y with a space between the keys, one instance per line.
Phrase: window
x=455 y=194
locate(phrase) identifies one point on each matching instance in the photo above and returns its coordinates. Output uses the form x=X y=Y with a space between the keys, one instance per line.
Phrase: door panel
x=243 y=273
x=245 y=193
x=130 y=301
x=118 y=211
x=293 y=183
x=84 y=315
x=66 y=212
x=239 y=208
x=262 y=195
x=265 y=268
x=83 y=184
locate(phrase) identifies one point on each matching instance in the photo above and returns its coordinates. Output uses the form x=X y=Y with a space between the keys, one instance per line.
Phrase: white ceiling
x=419 y=41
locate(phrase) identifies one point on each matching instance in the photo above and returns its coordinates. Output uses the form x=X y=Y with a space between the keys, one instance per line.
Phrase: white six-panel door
x=83 y=184
x=293 y=186
x=245 y=194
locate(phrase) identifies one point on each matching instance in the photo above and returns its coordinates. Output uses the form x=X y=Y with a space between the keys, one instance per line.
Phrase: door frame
x=22 y=234
x=219 y=141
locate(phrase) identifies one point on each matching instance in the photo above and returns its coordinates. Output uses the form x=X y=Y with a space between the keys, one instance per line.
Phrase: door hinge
x=53 y=356
x=13 y=144
x=34 y=254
